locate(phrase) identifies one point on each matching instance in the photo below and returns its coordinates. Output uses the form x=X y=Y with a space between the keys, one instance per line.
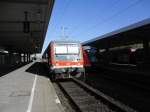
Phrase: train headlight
x=79 y=64
x=57 y=64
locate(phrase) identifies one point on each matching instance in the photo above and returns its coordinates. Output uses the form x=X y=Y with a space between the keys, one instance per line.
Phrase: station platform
x=27 y=89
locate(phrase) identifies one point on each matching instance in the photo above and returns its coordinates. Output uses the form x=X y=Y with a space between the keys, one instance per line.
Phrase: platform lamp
x=26 y=23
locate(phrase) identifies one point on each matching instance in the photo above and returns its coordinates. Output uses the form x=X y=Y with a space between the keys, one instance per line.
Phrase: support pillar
x=22 y=60
x=20 y=57
x=146 y=51
x=107 y=57
x=24 y=57
x=29 y=57
x=10 y=58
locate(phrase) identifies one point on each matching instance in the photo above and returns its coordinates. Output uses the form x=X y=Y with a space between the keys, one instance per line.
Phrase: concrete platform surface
x=25 y=90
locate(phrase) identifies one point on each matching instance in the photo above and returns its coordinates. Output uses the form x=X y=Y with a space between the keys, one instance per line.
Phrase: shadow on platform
x=7 y=68
x=38 y=68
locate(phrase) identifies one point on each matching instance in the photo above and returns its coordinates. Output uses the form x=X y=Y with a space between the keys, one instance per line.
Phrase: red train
x=64 y=59
x=90 y=55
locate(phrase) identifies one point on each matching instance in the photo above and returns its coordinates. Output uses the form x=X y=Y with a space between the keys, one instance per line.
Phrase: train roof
x=61 y=41
x=67 y=41
x=132 y=34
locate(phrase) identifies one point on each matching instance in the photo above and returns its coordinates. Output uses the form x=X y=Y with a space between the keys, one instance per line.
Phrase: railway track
x=129 y=82
x=126 y=76
x=87 y=99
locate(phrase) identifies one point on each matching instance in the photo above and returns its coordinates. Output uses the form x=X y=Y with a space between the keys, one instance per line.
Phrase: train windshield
x=67 y=52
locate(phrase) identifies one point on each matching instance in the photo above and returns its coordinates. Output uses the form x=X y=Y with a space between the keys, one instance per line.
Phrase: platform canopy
x=23 y=24
x=132 y=34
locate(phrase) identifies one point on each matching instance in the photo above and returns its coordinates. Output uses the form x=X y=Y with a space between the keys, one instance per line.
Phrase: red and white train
x=64 y=59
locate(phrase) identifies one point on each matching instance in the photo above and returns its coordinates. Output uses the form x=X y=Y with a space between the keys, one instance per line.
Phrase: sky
x=83 y=20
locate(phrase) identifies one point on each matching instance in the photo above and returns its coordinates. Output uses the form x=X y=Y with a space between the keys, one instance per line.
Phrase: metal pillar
x=10 y=58
x=146 y=51
x=19 y=58
x=29 y=57
x=24 y=57
x=107 y=57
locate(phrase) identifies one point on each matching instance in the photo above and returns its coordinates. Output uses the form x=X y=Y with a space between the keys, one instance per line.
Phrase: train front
x=67 y=60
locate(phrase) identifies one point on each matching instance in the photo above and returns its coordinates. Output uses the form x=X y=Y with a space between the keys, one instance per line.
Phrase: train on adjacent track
x=129 y=56
x=122 y=56
x=64 y=59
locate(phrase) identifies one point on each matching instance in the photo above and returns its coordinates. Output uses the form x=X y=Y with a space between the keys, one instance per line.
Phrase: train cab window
x=67 y=52
x=60 y=50
x=73 y=50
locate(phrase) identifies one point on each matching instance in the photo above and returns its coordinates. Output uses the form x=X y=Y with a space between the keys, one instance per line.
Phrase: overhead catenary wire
x=96 y=16
x=107 y=19
x=64 y=10
x=54 y=27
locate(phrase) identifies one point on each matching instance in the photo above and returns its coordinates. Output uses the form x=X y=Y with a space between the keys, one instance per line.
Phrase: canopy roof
x=23 y=24
x=132 y=34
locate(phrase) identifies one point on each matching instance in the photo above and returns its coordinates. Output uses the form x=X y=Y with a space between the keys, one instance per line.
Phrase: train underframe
x=69 y=72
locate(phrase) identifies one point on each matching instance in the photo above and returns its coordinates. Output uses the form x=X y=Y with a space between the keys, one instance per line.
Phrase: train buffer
x=25 y=90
